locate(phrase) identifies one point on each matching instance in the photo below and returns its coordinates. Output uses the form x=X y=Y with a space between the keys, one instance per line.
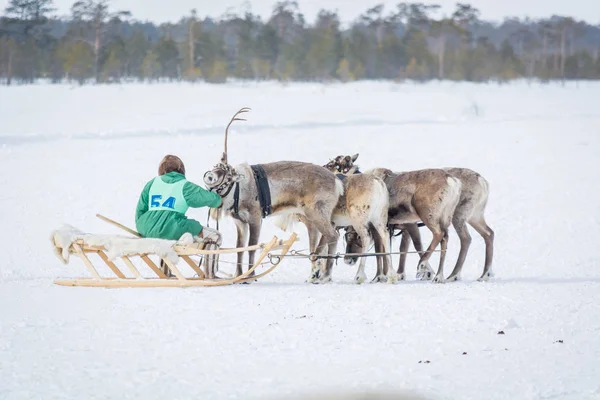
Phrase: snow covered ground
x=67 y=153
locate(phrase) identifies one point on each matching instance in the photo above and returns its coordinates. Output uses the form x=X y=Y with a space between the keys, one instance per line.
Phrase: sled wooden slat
x=131 y=267
x=153 y=266
x=80 y=248
x=86 y=261
x=174 y=269
x=111 y=265
x=193 y=266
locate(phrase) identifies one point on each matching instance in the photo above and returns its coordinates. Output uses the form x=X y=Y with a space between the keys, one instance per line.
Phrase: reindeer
x=345 y=165
x=294 y=189
x=429 y=195
x=470 y=209
x=364 y=207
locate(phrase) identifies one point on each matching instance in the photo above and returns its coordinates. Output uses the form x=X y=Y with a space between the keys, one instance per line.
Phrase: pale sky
x=494 y=10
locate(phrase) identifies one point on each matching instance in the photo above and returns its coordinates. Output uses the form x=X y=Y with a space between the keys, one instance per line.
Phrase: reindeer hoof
x=424 y=275
x=486 y=277
x=453 y=278
x=379 y=279
x=358 y=279
x=402 y=276
x=315 y=275
x=438 y=279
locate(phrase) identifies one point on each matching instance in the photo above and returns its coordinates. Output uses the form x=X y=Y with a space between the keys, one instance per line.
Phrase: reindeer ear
x=354 y=157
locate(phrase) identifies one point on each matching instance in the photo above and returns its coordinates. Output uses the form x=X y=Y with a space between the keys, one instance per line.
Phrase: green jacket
x=171 y=225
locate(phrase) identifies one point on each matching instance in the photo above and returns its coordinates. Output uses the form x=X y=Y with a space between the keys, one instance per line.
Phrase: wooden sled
x=184 y=252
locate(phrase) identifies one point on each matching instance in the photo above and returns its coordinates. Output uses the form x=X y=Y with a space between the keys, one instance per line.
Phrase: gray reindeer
x=284 y=189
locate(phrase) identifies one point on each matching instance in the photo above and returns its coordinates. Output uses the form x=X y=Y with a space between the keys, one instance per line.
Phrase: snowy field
x=67 y=153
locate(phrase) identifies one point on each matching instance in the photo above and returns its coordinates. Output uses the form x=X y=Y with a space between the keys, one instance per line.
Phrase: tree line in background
x=99 y=44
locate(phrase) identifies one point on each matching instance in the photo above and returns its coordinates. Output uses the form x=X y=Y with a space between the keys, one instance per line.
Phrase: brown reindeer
x=294 y=189
x=364 y=207
x=429 y=195
x=470 y=209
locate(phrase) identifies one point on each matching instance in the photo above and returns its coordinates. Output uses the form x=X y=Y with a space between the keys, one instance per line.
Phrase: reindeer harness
x=264 y=192
x=262 y=187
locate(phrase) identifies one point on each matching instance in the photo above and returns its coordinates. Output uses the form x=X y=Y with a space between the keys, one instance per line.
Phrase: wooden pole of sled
x=115 y=223
x=223 y=282
x=288 y=245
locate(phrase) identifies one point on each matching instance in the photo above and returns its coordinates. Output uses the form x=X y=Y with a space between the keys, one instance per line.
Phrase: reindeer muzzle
x=211 y=179
x=220 y=179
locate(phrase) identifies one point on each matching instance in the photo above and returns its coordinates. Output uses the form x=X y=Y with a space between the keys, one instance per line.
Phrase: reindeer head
x=342 y=164
x=222 y=177
x=353 y=245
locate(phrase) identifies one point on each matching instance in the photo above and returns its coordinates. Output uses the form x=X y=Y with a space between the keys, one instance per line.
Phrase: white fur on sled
x=115 y=245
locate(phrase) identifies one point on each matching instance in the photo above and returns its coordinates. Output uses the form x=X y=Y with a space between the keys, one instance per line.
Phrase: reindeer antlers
x=234 y=118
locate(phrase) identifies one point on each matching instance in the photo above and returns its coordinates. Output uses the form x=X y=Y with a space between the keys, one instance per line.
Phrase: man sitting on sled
x=164 y=201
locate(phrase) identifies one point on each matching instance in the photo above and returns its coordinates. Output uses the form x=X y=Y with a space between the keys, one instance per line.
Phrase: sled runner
x=69 y=241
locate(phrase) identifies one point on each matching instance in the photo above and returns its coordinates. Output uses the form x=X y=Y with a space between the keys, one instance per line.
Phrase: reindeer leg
x=254 y=236
x=439 y=277
x=365 y=239
x=328 y=240
x=313 y=243
x=381 y=238
x=321 y=220
x=460 y=226
x=437 y=238
x=425 y=273
x=379 y=261
x=319 y=265
x=488 y=236
x=242 y=239
x=380 y=275
x=404 y=242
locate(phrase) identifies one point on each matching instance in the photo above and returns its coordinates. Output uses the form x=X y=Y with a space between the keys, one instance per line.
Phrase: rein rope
x=337 y=256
